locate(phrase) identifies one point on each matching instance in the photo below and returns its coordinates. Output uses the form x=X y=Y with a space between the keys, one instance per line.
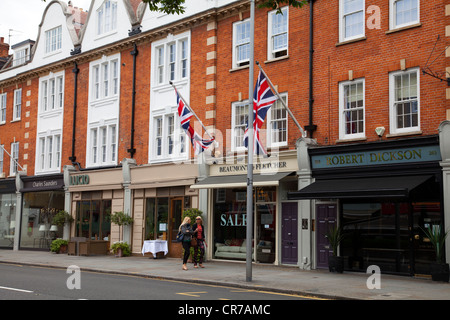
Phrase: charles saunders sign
x=378 y=157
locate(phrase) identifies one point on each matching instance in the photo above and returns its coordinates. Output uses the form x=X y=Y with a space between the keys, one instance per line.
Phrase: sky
x=24 y=17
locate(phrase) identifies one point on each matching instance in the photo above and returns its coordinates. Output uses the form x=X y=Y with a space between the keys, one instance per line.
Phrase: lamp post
x=250 y=147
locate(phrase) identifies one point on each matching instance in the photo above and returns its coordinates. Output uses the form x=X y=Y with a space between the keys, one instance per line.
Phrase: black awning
x=378 y=187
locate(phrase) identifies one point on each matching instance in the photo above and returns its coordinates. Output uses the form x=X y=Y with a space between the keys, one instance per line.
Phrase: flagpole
x=250 y=148
x=187 y=105
x=282 y=101
x=15 y=161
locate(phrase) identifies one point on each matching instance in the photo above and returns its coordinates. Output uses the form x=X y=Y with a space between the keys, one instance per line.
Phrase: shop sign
x=82 y=179
x=233 y=220
x=240 y=168
x=378 y=157
x=46 y=184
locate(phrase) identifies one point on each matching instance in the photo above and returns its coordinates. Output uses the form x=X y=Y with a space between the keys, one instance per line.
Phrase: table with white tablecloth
x=155 y=246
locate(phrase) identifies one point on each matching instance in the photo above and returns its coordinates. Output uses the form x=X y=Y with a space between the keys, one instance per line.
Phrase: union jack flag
x=185 y=115
x=263 y=98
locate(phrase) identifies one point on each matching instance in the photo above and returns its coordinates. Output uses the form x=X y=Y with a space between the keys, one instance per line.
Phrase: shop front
x=227 y=203
x=8 y=204
x=160 y=194
x=42 y=198
x=95 y=195
x=383 y=195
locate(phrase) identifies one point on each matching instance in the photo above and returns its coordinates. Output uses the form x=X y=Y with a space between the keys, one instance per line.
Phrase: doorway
x=289 y=233
x=326 y=217
x=176 y=210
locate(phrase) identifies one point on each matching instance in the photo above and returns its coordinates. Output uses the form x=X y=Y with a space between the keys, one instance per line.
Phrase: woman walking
x=186 y=230
x=199 y=235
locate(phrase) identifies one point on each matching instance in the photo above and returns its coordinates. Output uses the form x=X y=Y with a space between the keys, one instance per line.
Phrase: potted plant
x=121 y=249
x=121 y=219
x=335 y=262
x=59 y=246
x=439 y=269
x=61 y=218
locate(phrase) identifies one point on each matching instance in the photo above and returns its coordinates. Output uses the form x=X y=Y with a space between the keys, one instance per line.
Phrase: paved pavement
x=292 y=280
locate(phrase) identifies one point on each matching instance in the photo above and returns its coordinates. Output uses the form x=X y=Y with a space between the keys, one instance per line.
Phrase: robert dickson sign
x=377 y=157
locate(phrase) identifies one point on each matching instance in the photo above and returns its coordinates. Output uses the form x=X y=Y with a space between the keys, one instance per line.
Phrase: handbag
x=179 y=236
x=194 y=242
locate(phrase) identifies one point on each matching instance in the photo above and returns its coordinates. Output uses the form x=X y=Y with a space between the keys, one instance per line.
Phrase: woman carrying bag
x=186 y=229
x=199 y=236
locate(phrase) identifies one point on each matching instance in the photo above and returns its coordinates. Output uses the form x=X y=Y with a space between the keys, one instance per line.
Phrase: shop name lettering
x=79 y=180
x=233 y=220
x=377 y=157
x=40 y=184
x=258 y=166
x=387 y=156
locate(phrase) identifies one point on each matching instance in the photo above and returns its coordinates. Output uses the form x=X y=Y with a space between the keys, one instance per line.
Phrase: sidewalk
x=291 y=280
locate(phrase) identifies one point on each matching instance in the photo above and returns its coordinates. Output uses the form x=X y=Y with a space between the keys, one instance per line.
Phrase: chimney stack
x=4 y=48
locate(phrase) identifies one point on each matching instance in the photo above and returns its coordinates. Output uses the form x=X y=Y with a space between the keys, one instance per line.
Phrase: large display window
x=230 y=224
x=37 y=229
x=93 y=217
x=7 y=220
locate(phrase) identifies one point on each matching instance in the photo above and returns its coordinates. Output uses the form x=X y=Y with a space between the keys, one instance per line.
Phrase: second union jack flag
x=263 y=98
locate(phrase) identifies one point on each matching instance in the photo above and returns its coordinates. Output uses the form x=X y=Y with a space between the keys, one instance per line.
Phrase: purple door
x=289 y=233
x=326 y=218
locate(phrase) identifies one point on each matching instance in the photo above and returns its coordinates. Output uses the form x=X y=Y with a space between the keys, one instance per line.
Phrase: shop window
x=230 y=224
x=156 y=218
x=7 y=220
x=39 y=208
x=93 y=219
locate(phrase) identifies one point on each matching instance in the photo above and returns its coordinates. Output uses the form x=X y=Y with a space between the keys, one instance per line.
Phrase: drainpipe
x=311 y=127
x=75 y=70
x=132 y=150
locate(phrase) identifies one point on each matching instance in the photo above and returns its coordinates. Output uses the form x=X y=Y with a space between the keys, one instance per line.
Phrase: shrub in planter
x=335 y=263
x=439 y=269
x=121 y=249
x=59 y=246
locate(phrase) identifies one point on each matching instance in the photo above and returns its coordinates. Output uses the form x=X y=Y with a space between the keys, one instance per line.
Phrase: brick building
x=98 y=130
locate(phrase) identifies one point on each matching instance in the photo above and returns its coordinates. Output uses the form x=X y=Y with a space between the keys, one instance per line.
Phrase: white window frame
x=235 y=138
x=105 y=78
x=342 y=17
x=393 y=15
x=13 y=167
x=102 y=148
x=171 y=59
x=48 y=153
x=271 y=51
x=271 y=119
x=169 y=141
x=393 y=103
x=237 y=62
x=106 y=18
x=3 y=102
x=1 y=158
x=53 y=40
x=343 y=110
x=17 y=108
x=51 y=93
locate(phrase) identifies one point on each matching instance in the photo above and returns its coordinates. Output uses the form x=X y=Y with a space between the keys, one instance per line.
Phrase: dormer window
x=107 y=17
x=53 y=40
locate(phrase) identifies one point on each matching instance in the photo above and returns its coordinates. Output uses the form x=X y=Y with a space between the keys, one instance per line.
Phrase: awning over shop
x=240 y=181
x=378 y=187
